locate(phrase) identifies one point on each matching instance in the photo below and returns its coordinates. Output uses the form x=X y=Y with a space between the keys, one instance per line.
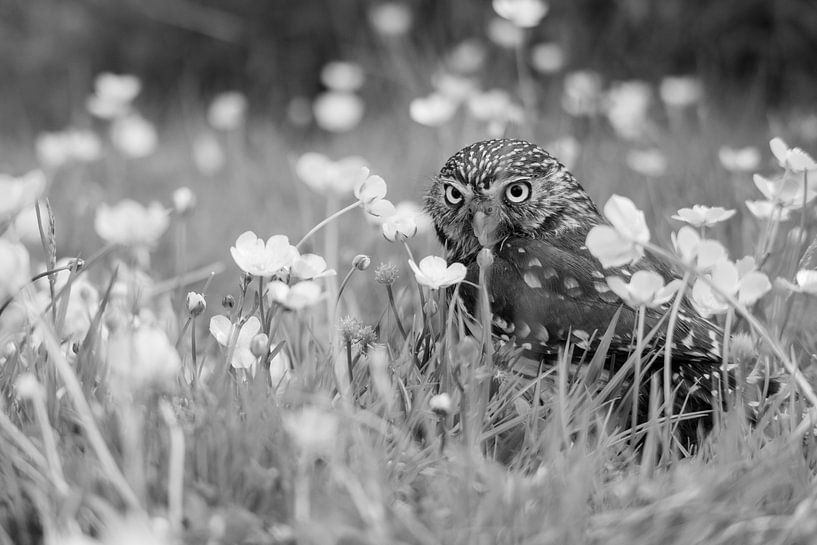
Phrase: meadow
x=219 y=326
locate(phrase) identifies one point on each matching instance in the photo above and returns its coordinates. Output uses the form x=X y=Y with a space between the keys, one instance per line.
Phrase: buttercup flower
x=338 y=111
x=703 y=216
x=195 y=303
x=467 y=57
x=522 y=13
x=113 y=95
x=134 y=136
x=644 y=288
x=621 y=242
x=208 y=155
x=184 y=200
x=141 y=356
x=435 y=273
x=19 y=193
x=794 y=159
x=227 y=111
x=496 y=108
x=680 y=91
x=297 y=296
x=407 y=221
x=313 y=430
x=739 y=159
x=371 y=193
x=582 y=92
x=626 y=107
x=453 y=87
x=15 y=268
x=433 y=110
x=255 y=257
x=504 y=33
x=648 y=162
x=768 y=209
x=322 y=174
x=391 y=19
x=805 y=282
x=700 y=253
x=343 y=76
x=547 y=58
x=55 y=149
x=741 y=280
x=131 y=224
x=786 y=191
x=311 y=266
x=223 y=330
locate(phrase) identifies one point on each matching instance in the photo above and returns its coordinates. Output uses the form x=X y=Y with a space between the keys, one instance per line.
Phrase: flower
x=700 y=253
x=15 y=268
x=467 y=57
x=680 y=91
x=504 y=33
x=741 y=280
x=768 y=209
x=322 y=174
x=371 y=193
x=626 y=107
x=55 y=149
x=343 y=76
x=131 y=224
x=581 y=93
x=361 y=262
x=386 y=273
x=19 y=193
x=805 y=282
x=622 y=241
x=195 y=303
x=435 y=273
x=184 y=200
x=208 y=155
x=255 y=257
x=134 y=135
x=441 y=404
x=141 y=356
x=391 y=19
x=433 y=110
x=113 y=95
x=522 y=13
x=703 y=216
x=794 y=159
x=786 y=191
x=224 y=332
x=310 y=266
x=314 y=430
x=547 y=58
x=296 y=297
x=646 y=288
x=649 y=162
x=496 y=108
x=338 y=111
x=453 y=87
x=227 y=111
x=407 y=221
x=739 y=159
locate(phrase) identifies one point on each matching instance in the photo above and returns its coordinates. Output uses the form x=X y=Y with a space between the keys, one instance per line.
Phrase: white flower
x=141 y=356
x=768 y=209
x=433 y=110
x=805 y=282
x=15 y=268
x=113 y=95
x=134 y=135
x=255 y=257
x=184 y=200
x=496 y=108
x=130 y=223
x=648 y=162
x=504 y=33
x=338 y=111
x=786 y=191
x=467 y=57
x=645 y=288
x=408 y=220
x=224 y=331
x=739 y=159
x=626 y=106
x=391 y=19
x=435 y=273
x=311 y=266
x=343 y=76
x=441 y=404
x=622 y=241
x=227 y=111
x=703 y=216
x=701 y=254
x=55 y=149
x=208 y=155
x=314 y=430
x=547 y=58
x=522 y=13
x=680 y=91
x=295 y=297
x=196 y=303
x=322 y=174
x=740 y=280
x=19 y=193
x=582 y=93
x=794 y=159
x=453 y=87
x=371 y=193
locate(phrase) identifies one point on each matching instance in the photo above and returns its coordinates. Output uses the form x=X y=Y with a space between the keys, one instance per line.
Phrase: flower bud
x=441 y=404
x=362 y=262
x=228 y=302
x=485 y=258
x=386 y=273
x=28 y=386
x=195 y=303
x=184 y=201
x=259 y=345
x=430 y=307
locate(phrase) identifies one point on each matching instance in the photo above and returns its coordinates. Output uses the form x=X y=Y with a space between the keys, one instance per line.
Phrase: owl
x=544 y=285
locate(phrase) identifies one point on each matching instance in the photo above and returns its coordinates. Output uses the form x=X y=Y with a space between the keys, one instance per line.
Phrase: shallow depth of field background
x=752 y=71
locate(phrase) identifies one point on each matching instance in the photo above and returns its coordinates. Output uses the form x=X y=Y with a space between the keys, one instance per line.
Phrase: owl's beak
x=485 y=226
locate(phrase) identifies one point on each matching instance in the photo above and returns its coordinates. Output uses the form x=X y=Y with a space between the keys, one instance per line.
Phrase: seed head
x=386 y=273
x=349 y=328
x=366 y=337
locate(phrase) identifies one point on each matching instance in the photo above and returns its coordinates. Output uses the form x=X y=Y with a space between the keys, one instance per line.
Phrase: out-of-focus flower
x=435 y=273
x=310 y=266
x=255 y=257
x=55 y=149
x=786 y=191
x=433 y=110
x=131 y=224
x=453 y=87
x=15 y=268
x=741 y=280
x=338 y=111
x=361 y=262
x=295 y=297
x=496 y=108
x=622 y=241
x=699 y=253
x=195 y=303
x=313 y=430
x=322 y=174
x=208 y=155
x=547 y=58
x=739 y=159
x=141 y=356
x=19 y=193
x=794 y=159
x=184 y=200
x=467 y=56
x=227 y=111
x=441 y=404
x=408 y=220
x=566 y=149
x=680 y=91
x=26 y=226
x=703 y=216
x=522 y=13
x=767 y=209
x=504 y=33
x=626 y=105
x=648 y=162
x=224 y=332
x=645 y=288
x=391 y=19
x=134 y=136
x=299 y=111
x=805 y=282
x=113 y=94
x=582 y=93
x=371 y=193
x=343 y=76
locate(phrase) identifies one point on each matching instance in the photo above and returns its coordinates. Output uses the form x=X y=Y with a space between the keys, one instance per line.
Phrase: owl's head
x=496 y=189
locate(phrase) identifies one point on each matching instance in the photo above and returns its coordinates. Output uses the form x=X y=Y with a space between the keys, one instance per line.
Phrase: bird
x=544 y=286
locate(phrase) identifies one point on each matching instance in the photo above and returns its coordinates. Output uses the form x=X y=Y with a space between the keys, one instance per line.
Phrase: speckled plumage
x=544 y=284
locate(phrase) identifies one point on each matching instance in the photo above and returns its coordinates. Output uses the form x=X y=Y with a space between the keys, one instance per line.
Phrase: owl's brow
x=459 y=185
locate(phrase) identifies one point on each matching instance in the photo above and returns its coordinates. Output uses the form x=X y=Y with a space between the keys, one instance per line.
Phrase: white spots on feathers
x=532 y=280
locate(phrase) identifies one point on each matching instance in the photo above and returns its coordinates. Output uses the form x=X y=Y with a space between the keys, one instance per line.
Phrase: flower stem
x=394 y=310
x=325 y=222
x=673 y=318
x=639 y=349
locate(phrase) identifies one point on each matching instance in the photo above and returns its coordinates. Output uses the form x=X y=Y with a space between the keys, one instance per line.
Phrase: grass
x=103 y=437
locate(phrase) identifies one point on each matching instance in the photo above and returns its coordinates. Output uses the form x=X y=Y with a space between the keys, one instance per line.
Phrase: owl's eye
x=518 y=191
x=452 y=195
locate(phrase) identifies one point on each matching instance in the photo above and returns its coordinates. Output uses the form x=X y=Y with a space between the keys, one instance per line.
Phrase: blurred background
x=671 y=103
